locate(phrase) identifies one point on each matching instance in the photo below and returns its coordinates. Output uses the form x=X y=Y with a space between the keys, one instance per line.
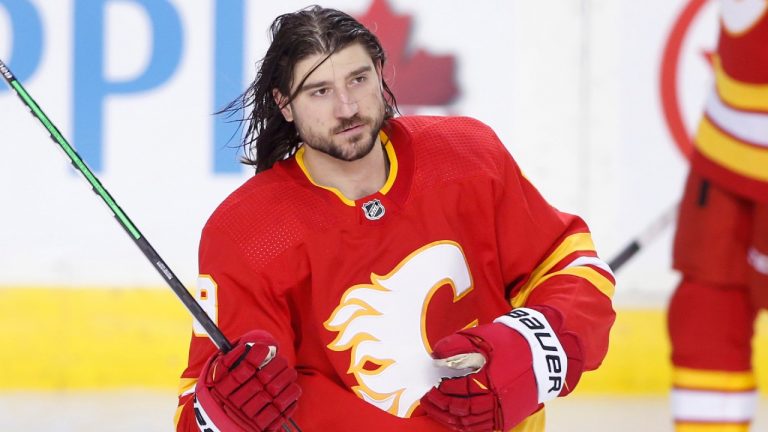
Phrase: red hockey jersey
x=731 y=145
x=357 y=292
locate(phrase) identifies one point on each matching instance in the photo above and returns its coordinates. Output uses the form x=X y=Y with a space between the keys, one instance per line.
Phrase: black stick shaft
x=194 y=308
x=625 y=255
x=647 y=236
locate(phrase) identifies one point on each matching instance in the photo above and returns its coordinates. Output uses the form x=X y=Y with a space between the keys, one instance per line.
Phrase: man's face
x=340 y=107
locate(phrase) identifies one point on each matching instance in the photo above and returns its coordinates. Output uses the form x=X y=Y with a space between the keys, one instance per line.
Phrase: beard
x=349 y=148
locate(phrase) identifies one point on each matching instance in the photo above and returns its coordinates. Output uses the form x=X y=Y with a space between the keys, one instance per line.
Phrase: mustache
x=351 y=122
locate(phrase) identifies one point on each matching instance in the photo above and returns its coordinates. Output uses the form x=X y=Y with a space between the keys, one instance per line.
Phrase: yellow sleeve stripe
x=594 y=277
x=747 y=160
x=176 y=417
x=572 y=243
x=713 y=380
x=186 y=384
x=753 y=97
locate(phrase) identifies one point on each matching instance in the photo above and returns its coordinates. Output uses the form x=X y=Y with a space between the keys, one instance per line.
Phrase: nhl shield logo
x=373 y=210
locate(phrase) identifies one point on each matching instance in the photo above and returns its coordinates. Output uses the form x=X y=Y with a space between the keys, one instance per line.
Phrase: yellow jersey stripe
x=594 y=277
x=711 y=427
x=745 y=159
x=738 y=94
x=713 y=380
x=572 y=243
x=186 y=384
x=177 y=416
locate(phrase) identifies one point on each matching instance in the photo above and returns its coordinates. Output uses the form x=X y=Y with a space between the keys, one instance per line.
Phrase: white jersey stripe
x=711 y=406
x=593 y=261
x=189 y=390
x=751 y=127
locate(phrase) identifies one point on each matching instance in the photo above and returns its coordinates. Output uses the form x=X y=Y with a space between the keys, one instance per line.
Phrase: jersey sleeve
x=562 y=272
x=239 y=298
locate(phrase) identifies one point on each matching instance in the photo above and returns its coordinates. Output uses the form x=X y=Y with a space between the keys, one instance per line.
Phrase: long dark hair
x=294 y=36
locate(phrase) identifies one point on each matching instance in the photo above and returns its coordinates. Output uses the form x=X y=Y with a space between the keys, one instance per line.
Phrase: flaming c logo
x=383 y=324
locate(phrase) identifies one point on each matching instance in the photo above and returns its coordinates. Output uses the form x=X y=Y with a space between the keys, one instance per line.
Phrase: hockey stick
x=192 y=306
x=644 y=238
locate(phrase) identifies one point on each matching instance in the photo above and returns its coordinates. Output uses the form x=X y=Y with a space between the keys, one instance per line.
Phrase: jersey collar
x=393 y=169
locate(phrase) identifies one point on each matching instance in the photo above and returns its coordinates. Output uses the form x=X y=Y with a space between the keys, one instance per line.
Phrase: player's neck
x=354 y=179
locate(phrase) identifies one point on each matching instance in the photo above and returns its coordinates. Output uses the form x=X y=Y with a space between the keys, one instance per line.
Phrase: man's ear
x=281 y=101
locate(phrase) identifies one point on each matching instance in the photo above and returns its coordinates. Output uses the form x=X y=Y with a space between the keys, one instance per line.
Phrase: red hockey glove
x=525 y=366
x=250 y=388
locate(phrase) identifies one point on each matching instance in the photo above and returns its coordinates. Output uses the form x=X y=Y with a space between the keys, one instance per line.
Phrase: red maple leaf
x=415 y=76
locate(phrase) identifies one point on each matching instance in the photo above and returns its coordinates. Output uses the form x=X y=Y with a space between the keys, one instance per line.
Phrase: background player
x=721 y=244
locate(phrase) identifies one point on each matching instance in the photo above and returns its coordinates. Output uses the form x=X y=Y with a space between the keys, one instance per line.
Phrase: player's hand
x=525 y=366
x=250 y=388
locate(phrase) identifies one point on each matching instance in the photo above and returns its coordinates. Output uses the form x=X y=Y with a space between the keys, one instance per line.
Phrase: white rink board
x=570 y=86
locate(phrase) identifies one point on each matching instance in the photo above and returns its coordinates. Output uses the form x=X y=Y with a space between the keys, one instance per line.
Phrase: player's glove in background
x=250 y=388
x=526 y=365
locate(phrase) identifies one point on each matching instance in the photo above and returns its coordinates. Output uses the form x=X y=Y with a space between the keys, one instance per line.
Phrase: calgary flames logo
x=383 y=323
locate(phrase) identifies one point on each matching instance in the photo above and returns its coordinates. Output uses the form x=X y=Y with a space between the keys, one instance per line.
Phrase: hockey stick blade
x=186 y=298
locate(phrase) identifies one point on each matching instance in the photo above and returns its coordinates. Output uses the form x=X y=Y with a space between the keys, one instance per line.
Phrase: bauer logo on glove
x=496 y=374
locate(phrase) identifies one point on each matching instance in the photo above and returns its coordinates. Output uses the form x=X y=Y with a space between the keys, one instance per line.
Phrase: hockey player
x=382 y=273
x=721 y=244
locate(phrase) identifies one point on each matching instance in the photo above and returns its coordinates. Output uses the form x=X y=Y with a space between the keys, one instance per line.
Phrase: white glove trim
x=550 y=363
